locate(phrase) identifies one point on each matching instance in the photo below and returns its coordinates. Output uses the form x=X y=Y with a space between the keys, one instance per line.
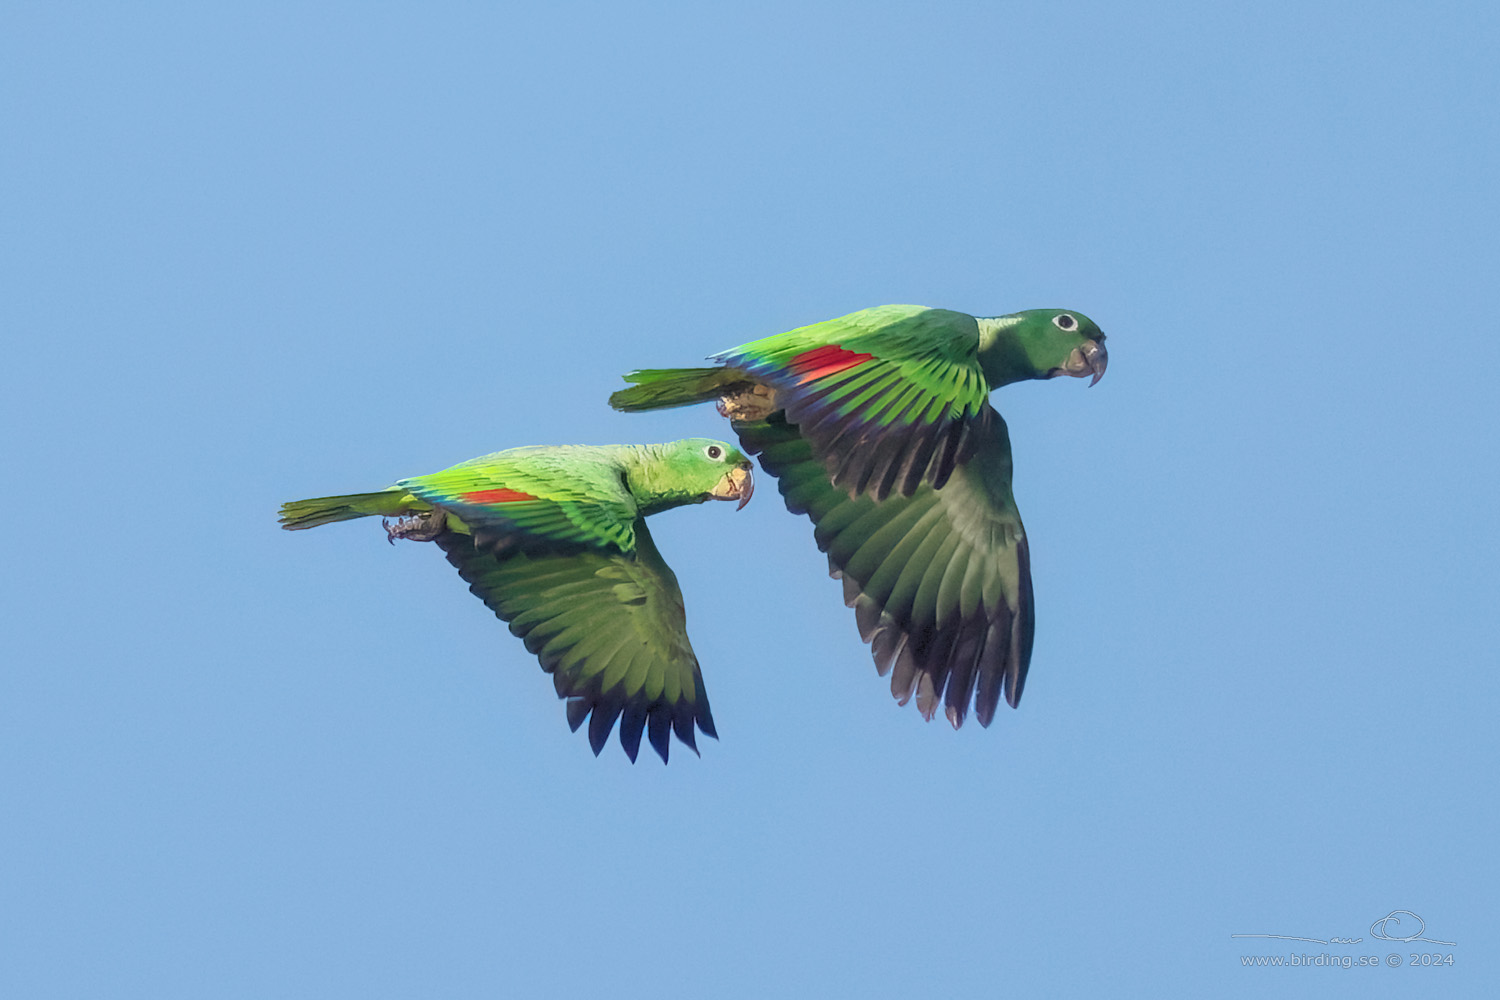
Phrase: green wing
x=551 y=539
x=608 y=626
x=940 y=581
x=534 y=498
x=888 y=398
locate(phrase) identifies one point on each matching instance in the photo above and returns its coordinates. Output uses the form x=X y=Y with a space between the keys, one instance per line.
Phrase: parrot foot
x=417 y=527
x=754 y=403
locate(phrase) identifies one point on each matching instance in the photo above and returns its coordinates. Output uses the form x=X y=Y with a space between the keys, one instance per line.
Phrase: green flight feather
x=610 y=628
x=940 y=581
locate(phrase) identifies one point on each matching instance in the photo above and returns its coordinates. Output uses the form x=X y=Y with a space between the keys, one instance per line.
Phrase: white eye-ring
x=713 y=451
x=1065 y=321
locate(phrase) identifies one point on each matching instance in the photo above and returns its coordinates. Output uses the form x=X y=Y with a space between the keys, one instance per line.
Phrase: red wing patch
x=495 y=496
x=820 y=362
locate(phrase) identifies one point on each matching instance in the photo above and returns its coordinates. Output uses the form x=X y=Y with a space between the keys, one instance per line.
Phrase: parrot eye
x=714 y=451
x=1064 y=321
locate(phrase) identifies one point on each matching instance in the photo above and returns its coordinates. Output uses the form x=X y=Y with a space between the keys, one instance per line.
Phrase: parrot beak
x=737 y=484
x=1089 y=358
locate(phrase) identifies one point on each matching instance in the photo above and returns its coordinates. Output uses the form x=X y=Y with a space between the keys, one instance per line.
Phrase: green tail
x=390 y=502
x=659 y=388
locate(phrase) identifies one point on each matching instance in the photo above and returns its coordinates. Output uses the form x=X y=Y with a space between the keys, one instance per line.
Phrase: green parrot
x=878 y=427
x=554 y=541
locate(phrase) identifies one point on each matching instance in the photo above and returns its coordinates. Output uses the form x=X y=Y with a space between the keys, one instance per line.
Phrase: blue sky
x=260 y=252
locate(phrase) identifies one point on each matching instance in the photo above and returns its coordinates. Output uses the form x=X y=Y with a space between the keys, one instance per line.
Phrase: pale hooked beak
x=737 y=484
x=1089 y=358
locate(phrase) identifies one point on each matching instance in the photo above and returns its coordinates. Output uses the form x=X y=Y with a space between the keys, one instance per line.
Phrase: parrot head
x=1041 y=343
x=711 y=470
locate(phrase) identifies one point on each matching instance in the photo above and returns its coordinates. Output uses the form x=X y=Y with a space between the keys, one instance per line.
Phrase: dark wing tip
x=578 y=710
x=632 y=725
x=964 y=665
x=659 y=731
x=706 y=720
x=969 y=664
x=658 y=722
x=682 y=725
x=601 y=723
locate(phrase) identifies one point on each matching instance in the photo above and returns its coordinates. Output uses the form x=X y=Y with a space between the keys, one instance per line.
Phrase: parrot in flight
x=554 y=541
x=878 y=427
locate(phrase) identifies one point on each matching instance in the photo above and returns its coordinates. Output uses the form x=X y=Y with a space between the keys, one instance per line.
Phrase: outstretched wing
x=940 y=581
x=888 y=398
x=608 y=626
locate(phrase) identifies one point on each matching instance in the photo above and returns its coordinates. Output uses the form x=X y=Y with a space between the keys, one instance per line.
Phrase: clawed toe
x=753 y=403
x=416 y=527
